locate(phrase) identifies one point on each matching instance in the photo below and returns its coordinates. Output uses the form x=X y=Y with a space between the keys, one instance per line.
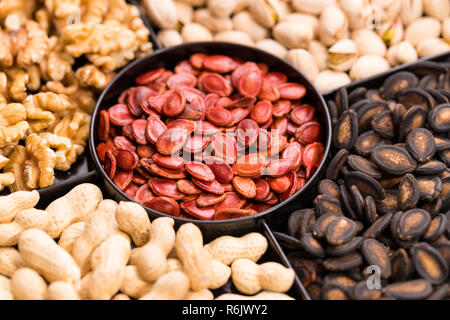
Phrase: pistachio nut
x=293 y=35
x=266 y=12
x=387 y=9
x=273 y=47
x=368 y=42
x=169 y=37
x=401 y=53
x=333 y=25
x=430 y=47
x=313 y=21
x=234 y=36
x=367 y=66
x=185 y=12
x=214 y=24
x=320 y=54
x=329 y=80
x=357 y=11
x=220 y=8
x=241 y=5
x=311 y=6
x=195 y=3
x=446 y=29
x=285 y=8
x=422 y=29
x=243 y=21
x=193 y=32
x=342 y=55
x=439 y=9
x=162 y=12
x=410 y=10
x=391 y=32
x=304 y=62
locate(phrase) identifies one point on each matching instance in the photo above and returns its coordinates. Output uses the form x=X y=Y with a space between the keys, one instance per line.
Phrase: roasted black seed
x=334 y=291
x=429 y=263
x=390 y=182
x=407 y=244
x=440 y=293
x=312 y=246
x=413 y=119
x=361 y=103
x=376 y=253
x=347 y=203
x=346 y=248
x=336 y=164
x=444 y=249
x=409 y=290
x=445 y=157
x=393 y=160
x=401 y=264
x=340 y=231
x=357 y=95
x=438 y=97
x=436 y=228
x=413 y=224
x=370 y=210
x=416 y=97
x=341 y=100
x=362 y=292
x=420 y=144
x=439 y=118
x=398 y=113
x=344 y=262
x=408 y=192
x=445 y=194
x=442 y=143
x=428 y=82
x=444 y=82
x=359 y=163
x=398 y=82
x=378 y=226
x=346 y=130
x=340 y=278
x=383 y=124
x=389 y=204
x=301 y=222
x=366 y=113
x=333 y=111
x=430 y=187
x=432 y=167
x=445 y=93
x=367 y=141
x=305 y=269
x=433 y=207
x=327 y=204
x=367 y=185
x=287 y=241
x=374 y=94
x=425 y=68
x=328 y=187
x=322 y=223
x=358 y=201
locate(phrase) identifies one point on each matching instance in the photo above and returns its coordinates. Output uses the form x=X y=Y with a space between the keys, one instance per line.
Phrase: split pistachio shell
x=285 y=8
x=391 y=32
x=234 y=36
x=320 y=54
x=430 y=47
x=304 y=62
x=313 y=21
x=193 y=32
x=169 y=38
x=311 y=6
x=185 y=12
x=196 y=3
x=357 y=12
x=266 y=12
x=293 y=34
x=342 y=55
x=410 y=10
x=368 y=42
x=241 y=5
x=273 y=47
x=387 y=9
x=446 y=29
x=329 y=80
x=401 y=53
x=367 y=66
x=422 y=29
x=243 y=21
x=162 y=12
x=439 y=9
x=222 y=9
x=333 y=25
x=214 y=24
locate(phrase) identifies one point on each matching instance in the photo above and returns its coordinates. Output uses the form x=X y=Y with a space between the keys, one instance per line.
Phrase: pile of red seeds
x=216 y=139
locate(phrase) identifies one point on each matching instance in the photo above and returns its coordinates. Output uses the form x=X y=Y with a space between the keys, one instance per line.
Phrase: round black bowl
x=168 y=58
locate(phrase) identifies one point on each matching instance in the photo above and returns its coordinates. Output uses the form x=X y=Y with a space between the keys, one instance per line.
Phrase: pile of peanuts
x=47 y=92
x=331 y=41
x=108 y=250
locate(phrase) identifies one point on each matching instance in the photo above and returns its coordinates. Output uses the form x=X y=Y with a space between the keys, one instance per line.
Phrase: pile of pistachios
x=333 y=42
